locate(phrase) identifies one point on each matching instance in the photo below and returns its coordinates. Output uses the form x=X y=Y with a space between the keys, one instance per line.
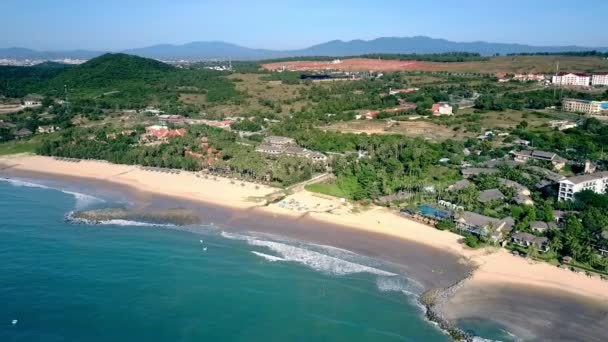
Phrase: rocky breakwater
x=176 y=216
x=434 y=299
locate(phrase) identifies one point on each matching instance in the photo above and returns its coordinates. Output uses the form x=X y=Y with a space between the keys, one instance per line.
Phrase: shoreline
x=493 y=265
x=494 y=268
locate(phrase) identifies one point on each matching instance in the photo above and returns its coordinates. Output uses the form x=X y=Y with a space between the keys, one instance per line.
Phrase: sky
x=113 y=25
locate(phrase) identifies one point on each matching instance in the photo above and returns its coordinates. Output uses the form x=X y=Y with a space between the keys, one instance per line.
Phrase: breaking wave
x=314 y=259
x=82 y=200
x=268 y=257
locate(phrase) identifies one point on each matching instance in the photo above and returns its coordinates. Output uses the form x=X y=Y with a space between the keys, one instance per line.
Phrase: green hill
x=125 y=81
x=17 y=81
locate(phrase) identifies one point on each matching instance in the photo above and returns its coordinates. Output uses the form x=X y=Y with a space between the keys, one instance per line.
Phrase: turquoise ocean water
x=128 y=282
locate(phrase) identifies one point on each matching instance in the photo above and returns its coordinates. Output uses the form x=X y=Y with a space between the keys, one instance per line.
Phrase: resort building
x=600 y=79
x=172 y=119
x=526 y=155
x=293 y=151
x=279 y=141
x=490 y=195
x=527 y=240
x=571 y=79
x=596 y=182
x=484 y=226
x=46 y=129
x=32 y=100
x=542 y=227
x=476 y=171
x=529 y=77
x=23 y=133
x=562 y=125
x=161 y=133
x=585 y=106
x=441 y=109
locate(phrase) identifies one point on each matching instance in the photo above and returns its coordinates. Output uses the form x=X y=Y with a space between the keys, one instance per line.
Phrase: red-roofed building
x=441 y=109
x=573 y=79
x=403 y=107
x=162 y=133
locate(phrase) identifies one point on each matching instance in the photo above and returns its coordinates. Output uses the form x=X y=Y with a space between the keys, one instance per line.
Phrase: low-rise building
x=279 y=141
x=291 y=150
x=172 y=119
x=6 y=125
x=23 y=133
x=161 y=133
x=32 y=100
x=490 y=195
x=529 y=77
x=46 y=129
x=484 y=226
x=542 y=227
x=526 y=155
x=585 y=106
x=562 y=125
x=441 y=109
x=596 y=182
x=572 y=79
x=527 y=240
x=476 y=171
x=600 y=79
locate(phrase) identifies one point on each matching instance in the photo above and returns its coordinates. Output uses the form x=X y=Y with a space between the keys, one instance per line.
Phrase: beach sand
x=502 y=287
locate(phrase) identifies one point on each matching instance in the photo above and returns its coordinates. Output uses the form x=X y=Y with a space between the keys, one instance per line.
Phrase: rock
x=176 y=216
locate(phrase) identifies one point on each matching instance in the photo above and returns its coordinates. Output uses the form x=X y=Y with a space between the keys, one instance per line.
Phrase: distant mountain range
x=337 y=48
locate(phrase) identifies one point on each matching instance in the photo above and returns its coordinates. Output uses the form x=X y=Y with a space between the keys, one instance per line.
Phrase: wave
x=270 y=258
x=316 y=260
x=21 y=183
x=82 y=200
x=70 y=218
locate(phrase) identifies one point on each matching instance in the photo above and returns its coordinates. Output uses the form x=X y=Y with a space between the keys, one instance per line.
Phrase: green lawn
x=331 y=189
x=14 y=147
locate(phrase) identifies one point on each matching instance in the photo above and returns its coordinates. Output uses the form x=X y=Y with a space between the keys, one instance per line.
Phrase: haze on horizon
x=116 y=25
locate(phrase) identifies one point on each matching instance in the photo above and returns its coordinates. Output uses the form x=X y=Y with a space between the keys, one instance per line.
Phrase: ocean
x=128 y=281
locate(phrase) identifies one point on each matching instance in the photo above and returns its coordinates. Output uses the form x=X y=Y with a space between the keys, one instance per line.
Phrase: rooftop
x=490 y=195
x=586 y=178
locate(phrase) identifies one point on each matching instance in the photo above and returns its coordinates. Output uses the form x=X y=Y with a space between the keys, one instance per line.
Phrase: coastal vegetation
x=104 y=108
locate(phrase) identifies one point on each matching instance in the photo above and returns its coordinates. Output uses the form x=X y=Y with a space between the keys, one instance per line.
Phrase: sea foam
x=314 y=259
x=82 y=200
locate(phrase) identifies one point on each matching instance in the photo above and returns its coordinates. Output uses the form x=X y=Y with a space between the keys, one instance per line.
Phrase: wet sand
x=531 y=313
x=501 y=290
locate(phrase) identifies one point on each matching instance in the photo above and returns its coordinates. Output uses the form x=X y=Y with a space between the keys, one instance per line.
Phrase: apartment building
x=600 y=79
x=572 y=79
x=585 y=106
x=596 y=182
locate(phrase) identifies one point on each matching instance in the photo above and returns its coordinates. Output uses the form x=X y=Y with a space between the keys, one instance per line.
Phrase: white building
x=578 y=79
x=442 y=109
x=529 y=77
x=585 y=106
x=596 y=182
x=600 y=79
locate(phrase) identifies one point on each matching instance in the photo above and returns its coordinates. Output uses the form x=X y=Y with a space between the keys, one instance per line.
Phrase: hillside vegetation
x=118 y=81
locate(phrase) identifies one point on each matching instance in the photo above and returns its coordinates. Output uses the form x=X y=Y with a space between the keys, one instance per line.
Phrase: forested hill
x=110 y=69
x=116 y=81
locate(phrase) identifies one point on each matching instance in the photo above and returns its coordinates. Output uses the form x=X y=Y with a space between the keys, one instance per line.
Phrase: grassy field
x=529 y=64
x=330 y=189
x=423 y=129
x=15 y=147
x=260 y=96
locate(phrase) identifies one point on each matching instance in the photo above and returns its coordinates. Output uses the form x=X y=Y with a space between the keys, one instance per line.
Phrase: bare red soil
x=354 y=64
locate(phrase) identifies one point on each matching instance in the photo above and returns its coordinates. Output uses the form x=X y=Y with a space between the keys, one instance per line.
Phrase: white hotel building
x=600 y=79
x=596 y=182
x=572 y=79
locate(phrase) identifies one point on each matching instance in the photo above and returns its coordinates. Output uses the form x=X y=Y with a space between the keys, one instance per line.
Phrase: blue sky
x=286 y=24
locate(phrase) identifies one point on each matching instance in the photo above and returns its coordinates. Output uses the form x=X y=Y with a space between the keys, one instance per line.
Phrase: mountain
x=204 y=50
x=337 y=48
x=22 y=53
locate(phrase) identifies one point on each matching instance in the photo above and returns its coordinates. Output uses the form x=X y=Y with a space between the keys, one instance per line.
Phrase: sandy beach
x=496 y=268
